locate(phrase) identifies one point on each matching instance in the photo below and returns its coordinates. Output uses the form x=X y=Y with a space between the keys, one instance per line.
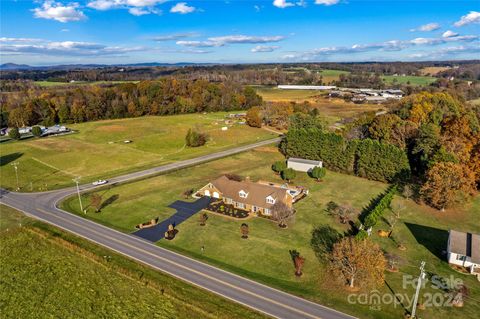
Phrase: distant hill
x=14 y=66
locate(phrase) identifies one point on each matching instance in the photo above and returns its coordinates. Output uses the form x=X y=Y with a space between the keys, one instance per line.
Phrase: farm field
x=409 y=79
x=98 y=150
x=264 y=256
x=330 y=76
x=52 y=83
x=332 y=109
x=68 y=277
x=433 y=70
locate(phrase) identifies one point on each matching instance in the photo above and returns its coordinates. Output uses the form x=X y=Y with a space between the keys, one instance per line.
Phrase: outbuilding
x=303 y=165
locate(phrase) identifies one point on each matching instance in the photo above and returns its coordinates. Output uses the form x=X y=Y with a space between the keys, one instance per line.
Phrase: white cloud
x=57 y=11
x=175 y=36
x=231 y=39
x=471 y=17
x=449 y=34
x=264 y=48
x=61 y=48
x=282 y=4
x=65 y=30
x=327 y=2
x=393 y=45
x=134 y=7
x=182 y=8
x=138 y=11
x=427 y=27
x=257 y=8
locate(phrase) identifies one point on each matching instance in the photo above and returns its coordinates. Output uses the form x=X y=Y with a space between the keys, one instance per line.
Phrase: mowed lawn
x=265 y=257
x=331 y=76
x=273 y=94
x=47 y=273
x=98 y=150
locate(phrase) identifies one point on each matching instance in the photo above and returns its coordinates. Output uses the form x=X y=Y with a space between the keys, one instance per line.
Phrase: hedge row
x=366 y=158
x=376 y=212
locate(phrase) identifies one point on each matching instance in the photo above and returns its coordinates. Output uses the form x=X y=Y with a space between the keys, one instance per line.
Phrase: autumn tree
x=447 y=184
x=254 y=117
x=195 y=138
x=203 y=219
x=244 y=230
x=358 y=263
x=281 y=212
x=96 y=201
x=298 y=262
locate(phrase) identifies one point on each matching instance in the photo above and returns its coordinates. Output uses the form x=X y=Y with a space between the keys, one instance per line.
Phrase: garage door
x=216 y=195
x=207 y=192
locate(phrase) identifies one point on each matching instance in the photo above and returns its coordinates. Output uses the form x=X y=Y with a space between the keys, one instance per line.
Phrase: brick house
x=253 y=197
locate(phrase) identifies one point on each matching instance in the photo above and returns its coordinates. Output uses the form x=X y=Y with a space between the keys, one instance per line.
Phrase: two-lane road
x=270 y=301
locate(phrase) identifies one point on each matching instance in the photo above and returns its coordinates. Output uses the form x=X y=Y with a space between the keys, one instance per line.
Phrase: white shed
x=303 y=165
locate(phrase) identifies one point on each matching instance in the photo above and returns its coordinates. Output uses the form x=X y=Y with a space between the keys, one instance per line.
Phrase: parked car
x=100 y=182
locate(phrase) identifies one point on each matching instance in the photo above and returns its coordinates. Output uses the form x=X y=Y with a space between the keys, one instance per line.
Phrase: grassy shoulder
x=98 y=149
x=264 y=256
x=68 y=277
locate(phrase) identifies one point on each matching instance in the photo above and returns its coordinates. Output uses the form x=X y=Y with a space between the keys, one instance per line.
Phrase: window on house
x=266 y=211
x=241 y=205
x=270 y=200
x=242 y=194
x=228 y=200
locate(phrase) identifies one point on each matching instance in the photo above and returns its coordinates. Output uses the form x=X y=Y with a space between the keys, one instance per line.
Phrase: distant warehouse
x=303 y=165
x=307 y=87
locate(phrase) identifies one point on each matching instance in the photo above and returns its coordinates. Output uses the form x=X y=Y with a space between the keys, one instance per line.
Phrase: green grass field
x=330 y=76
x=272 y=94
x=47 y=273
x=409 y=79
x=52 y=83
x=98 y=149
x=265 y=255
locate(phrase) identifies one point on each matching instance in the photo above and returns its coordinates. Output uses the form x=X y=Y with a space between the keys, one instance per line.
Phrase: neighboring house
x=302 y=165
x=464 y=250
x=254 y=197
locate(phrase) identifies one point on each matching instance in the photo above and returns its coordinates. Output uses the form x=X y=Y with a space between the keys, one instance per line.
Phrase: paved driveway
x=184 y=211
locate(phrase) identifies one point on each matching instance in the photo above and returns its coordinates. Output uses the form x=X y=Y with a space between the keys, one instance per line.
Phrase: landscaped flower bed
x=227 y=210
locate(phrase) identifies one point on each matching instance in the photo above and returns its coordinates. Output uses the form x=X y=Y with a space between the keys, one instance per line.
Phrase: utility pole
x=419 y=285
x=15 y=164
x=77 y=180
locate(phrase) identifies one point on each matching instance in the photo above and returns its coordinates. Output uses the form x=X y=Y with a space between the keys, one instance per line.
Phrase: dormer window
x=270 y=200
x=242 y=194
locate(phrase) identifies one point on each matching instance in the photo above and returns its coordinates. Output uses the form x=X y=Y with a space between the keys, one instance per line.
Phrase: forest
x=429 y=140
x=88 y=103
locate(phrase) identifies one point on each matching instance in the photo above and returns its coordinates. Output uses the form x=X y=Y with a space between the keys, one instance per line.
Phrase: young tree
x=407 y=191
x=36 y=131
x=358 y=262
x=203 y=219
x=279 y=166
x=244 y=230
x=254 y=117
x=318 y=172
x=448 y=184
x=281 y=212
x=288 y=174
x=96 y=201
x=14 y=133
x=195 y=138
x=298 y=262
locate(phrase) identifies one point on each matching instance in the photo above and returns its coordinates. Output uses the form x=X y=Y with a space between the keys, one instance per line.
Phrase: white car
x=99 y=182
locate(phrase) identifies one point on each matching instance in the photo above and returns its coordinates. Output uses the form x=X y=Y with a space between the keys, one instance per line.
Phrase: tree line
x=88 y=103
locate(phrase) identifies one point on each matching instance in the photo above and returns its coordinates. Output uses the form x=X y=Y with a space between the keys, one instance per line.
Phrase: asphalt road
x=43 y=206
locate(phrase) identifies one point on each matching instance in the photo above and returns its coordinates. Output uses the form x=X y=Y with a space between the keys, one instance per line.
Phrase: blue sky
x=237 y=31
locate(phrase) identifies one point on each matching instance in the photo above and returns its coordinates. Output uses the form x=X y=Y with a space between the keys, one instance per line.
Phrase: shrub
x=288 y=174
x=195 y=138
x=279 y=166
x=370 y=219
x=14 y=133
x=36 y=131
x=318 y=172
